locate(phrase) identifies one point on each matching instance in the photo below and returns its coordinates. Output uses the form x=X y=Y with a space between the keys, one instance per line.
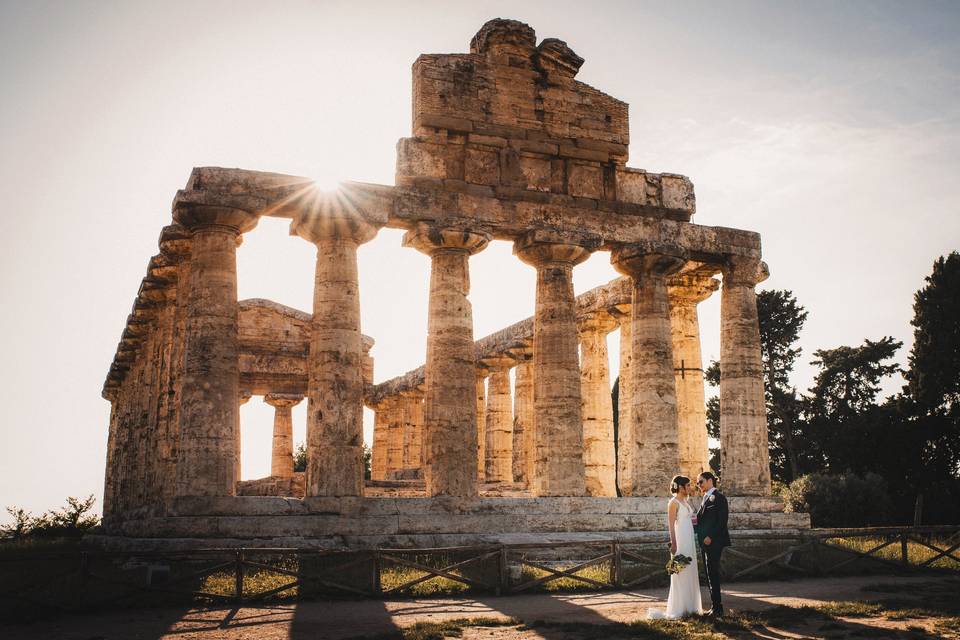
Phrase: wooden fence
x=91 y=579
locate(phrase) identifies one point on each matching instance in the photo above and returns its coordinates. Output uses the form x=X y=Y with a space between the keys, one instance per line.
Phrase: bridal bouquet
x=678 y=563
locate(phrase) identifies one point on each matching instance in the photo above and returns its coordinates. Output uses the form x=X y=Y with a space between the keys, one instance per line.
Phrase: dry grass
x=916 y=552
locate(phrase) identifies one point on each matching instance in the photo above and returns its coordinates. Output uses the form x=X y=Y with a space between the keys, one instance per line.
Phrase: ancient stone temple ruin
x=506 y=146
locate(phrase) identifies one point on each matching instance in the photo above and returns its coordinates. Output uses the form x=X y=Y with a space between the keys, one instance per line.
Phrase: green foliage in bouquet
x=678 y=563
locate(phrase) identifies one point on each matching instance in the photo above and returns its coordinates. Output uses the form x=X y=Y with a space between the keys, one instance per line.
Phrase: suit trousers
x=711 y=561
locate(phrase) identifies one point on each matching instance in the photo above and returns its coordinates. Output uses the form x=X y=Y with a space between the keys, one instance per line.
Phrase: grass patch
x=451 y=628
x=916 y=552
x=851 y=609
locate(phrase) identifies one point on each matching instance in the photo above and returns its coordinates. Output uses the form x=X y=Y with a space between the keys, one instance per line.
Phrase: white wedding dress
x=684 y=598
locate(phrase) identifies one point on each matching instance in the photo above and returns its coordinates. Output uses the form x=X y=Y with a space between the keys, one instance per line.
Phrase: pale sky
x=831 y=128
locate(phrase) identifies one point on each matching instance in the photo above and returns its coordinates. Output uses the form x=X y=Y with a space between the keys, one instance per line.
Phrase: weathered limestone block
x=499 y=421
x=281 y=458
x=744 y=456
x=599 y=456
x=685 y=293
x=335 y=387
x=653 y=410
x=558 y=423
x=208 y=419
x=450 y=408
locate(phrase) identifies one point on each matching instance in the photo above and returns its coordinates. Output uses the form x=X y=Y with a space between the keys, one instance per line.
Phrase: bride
x=684 y=598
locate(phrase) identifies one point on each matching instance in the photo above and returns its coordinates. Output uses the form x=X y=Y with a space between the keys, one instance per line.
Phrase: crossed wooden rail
x=459 y=565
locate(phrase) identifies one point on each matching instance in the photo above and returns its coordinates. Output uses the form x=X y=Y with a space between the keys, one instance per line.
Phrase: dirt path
x=335 y=620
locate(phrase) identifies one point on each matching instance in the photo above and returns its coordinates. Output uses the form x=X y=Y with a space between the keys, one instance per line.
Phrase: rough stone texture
x=422 y=521
x=653 y=404
x=211 y=377
x=394 y=417
x=482 y=374
x=281 y=457
x=335 y=388
x=523 y=434
x=381 y=439
x=557 y=423
x=411 y=402
x=625 y=451
x=599 y=456
x=498 y=433
x=685 y=293
x=450 y=410
x=744 y=456
x=292 y=486
x=243 y=399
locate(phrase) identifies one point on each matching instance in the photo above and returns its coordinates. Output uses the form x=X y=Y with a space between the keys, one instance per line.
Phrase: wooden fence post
x=504 y=583
x=238 y=575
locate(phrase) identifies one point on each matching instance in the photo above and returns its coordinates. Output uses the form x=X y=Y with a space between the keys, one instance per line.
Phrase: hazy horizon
x=831 y=129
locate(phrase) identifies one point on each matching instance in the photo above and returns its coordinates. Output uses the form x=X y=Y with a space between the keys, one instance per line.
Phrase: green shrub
x=844 y=500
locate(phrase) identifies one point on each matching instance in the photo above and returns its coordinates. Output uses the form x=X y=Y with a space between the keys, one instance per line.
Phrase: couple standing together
x=710 y=534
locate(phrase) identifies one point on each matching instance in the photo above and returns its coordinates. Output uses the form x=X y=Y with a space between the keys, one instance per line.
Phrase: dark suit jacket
x=712 y=521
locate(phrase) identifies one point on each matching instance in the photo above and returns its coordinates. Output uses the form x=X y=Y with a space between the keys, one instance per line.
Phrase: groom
x=712 y=534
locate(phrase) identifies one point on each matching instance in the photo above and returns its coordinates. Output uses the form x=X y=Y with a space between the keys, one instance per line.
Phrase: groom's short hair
x=708 y=475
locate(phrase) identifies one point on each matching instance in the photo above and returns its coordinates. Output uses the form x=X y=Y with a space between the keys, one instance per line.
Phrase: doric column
x=653 y=411
x=411 y=403
x=744 y=456
x=243 y=399
x=686 y=292
x=335 y=368
x=394 y=437
x=523 y=416
x=175 y=244
x=281 y=458
x=499 y=421
x=381 y=435
x=159 y=290
x=450 y=410
x=482 y=373
x=558 y=421
x=211 y=377
x=415 y=398
x=599 y=456
x=624 y=400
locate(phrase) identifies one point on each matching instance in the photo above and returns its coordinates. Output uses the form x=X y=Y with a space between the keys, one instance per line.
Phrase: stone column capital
x=541 y=248
x=598 y=321
x=332 y=220
x=648 y=259
x=499 y=362
x=195 y=216
x=691 y=289
x=244 y=397
x=745 y=271
x=282 y=400
x=429 y=239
